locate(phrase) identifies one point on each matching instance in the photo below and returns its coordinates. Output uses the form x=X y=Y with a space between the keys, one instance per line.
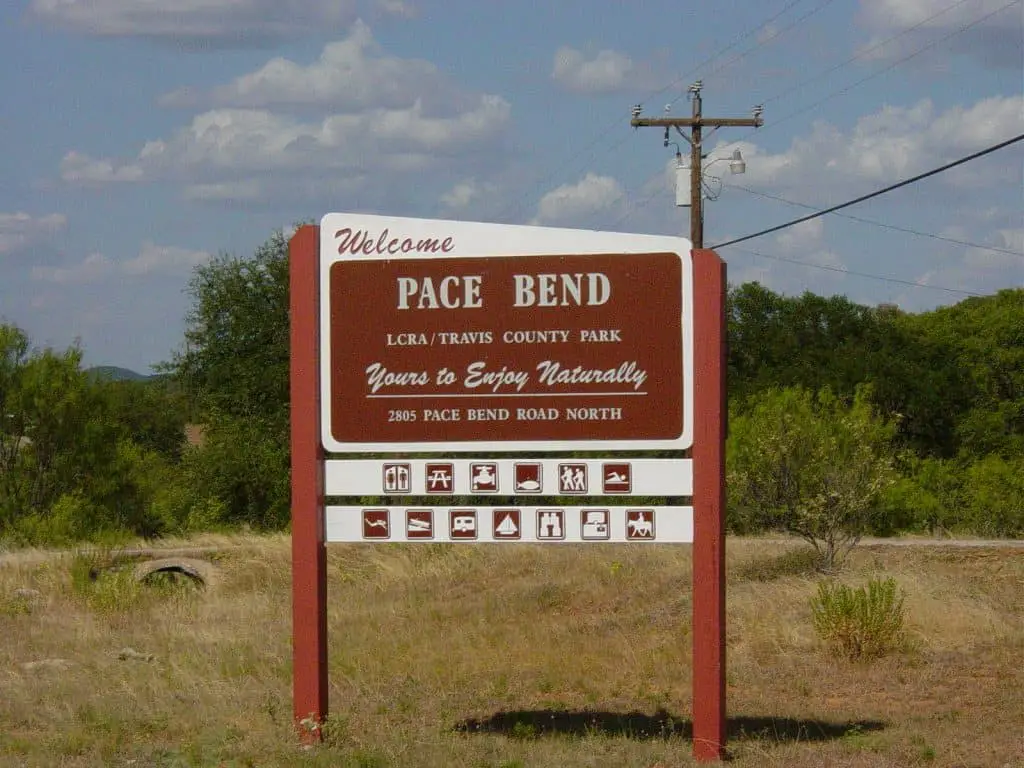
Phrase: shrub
x=862 y=622
x=994 y=492
x=810 y=465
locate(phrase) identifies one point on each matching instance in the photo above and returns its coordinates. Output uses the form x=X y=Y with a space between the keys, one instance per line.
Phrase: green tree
x=994 y=496
x=150 y=413
x=808 y=341
x=984 y=338
x=66 y=469
x=815 y=342
x=234 y=368
x=810 y=465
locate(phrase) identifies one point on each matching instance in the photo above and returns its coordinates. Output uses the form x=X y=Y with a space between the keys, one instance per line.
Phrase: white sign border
x=672 y=525
x=476 y=240
x=649 y=477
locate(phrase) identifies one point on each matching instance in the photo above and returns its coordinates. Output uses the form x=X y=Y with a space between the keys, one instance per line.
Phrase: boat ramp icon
x=419 y=524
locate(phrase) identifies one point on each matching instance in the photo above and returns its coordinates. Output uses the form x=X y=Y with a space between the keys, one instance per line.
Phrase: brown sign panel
x=501 y=349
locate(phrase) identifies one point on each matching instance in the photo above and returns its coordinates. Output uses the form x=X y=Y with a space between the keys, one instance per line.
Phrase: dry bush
x=859 y=623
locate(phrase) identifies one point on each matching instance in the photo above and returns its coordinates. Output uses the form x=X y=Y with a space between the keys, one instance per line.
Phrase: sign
x=437 y=337
x=507 y=523
x=445 y=336
x=509 y=477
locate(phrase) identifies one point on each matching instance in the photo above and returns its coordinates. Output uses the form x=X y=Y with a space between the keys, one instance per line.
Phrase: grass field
x=505 y=657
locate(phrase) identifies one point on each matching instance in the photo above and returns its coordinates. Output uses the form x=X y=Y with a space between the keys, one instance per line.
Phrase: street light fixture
x=737 y=164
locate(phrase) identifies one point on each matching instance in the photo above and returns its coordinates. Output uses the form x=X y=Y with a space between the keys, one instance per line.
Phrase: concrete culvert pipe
x=201 y=572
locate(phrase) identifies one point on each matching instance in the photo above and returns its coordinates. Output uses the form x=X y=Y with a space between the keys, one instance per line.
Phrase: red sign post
x=636 y=358
x=309 y=556
x=709 y=734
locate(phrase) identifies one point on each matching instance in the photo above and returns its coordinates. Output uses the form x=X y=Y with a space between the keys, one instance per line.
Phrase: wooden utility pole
x=696 y=124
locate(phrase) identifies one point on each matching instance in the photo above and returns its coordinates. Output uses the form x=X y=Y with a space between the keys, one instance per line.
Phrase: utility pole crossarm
x=697 y=123
x=690 y=122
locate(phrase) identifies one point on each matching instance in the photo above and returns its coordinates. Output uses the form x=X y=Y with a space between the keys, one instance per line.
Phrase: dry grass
x=506 y=656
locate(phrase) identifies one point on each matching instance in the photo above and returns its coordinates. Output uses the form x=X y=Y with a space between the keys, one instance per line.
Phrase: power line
x=681 y=78
x=876 y=193
x=879 y=223
x=863 y=53
x=853 y=273
x=846 y=89
x=761 y=43
x=840 y=92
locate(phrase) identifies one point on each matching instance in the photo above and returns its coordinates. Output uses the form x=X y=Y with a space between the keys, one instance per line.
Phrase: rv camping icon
x=462 y=524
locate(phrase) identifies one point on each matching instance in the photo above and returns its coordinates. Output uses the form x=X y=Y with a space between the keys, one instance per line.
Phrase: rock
x=58 y=665
x=126 y=654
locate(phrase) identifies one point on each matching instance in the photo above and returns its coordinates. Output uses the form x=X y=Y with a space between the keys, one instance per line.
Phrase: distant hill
x=113 y=373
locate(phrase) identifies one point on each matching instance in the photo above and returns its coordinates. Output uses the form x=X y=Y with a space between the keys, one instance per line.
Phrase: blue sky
x=142 y=137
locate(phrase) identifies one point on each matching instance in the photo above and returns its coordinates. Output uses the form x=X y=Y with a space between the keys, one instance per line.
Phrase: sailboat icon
x=506 y=524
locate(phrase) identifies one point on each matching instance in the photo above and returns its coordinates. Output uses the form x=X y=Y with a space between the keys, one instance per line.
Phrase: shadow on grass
x=527 y=724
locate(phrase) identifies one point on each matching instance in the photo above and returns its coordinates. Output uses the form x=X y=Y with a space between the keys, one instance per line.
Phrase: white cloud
x=357 y=118
x=163 y=258
x=79 y=168
x=242 y=190
x=398 y=8
x=20 y=229
x=576 y=203
x=216 y=22
x=92 y=267
x=352 y=74
x=996 y=40
x=888 y=145
x=253 y=141
x=799 y=237
x=465 y=194
x=978 y=270
x=604 y=72
x=151 y=259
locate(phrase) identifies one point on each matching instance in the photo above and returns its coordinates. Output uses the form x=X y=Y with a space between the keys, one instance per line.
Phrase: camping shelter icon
x=594 y=525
